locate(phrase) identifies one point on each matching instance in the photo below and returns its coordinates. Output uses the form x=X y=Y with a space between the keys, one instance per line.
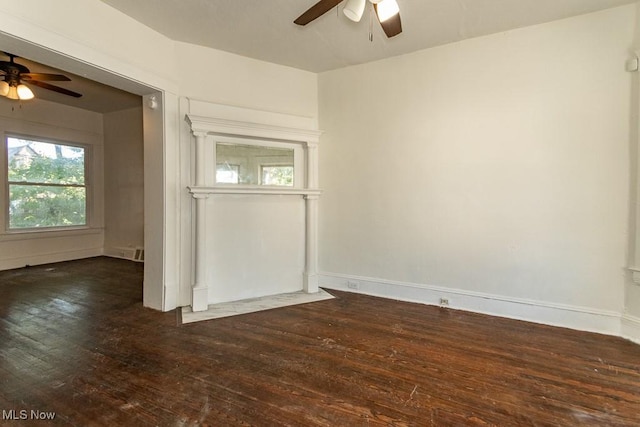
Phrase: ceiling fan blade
x=392 y=26
x=45 y=77
x=54 y=88
x=316 y=11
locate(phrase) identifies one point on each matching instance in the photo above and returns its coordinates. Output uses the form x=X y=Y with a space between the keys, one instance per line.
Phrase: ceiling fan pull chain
x=371 y=24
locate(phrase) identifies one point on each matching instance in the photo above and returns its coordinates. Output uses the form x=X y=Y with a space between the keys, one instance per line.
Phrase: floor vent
x=132 y=254
x=139 y=255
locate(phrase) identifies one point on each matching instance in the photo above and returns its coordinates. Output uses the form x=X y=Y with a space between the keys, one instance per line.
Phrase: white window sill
x=48 y=233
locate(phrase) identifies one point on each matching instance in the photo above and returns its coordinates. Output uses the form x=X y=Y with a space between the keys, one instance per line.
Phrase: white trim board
x=567 y=316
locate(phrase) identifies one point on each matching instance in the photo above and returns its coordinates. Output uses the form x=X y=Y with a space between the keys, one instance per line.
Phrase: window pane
x=44 y=162
x=33 y=206
x=277 y=175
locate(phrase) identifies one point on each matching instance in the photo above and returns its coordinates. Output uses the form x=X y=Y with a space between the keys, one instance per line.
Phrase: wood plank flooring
x=75 y=340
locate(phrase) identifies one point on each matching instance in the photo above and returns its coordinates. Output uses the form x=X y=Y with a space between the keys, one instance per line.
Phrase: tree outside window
x=277 y=175
x=47 y=185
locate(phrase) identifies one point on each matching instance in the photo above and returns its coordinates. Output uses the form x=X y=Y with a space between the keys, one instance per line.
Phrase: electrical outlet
x=353 y=285
x=444 y=302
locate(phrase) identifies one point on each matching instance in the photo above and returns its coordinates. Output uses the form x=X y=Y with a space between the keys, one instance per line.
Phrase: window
x=277 y=175
x=47 y=184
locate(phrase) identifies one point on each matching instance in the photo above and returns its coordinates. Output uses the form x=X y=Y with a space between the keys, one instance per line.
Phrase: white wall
x=124 y=182
x=492 y=171
x=46 y=120
x=93 y=32
x=230 y=79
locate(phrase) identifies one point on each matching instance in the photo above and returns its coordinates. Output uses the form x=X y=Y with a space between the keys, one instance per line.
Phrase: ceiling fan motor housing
x=13 y=71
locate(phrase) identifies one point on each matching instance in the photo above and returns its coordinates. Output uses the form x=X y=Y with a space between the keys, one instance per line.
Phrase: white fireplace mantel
x=250 y=125
x=253 y=190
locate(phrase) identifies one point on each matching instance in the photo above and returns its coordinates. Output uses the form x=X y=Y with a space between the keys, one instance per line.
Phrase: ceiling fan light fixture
x=4 y=88
x=387 y=9
x=354 y=9
x=24 y=92
x=13 y=92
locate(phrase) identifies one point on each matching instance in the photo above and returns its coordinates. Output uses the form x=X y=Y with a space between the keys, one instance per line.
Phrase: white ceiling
x=264 y=29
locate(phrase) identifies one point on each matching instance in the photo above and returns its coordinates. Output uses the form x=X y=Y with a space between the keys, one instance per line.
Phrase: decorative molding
x=563 y=315
x=199 y=195
x=200 y=300
x=198 y=107
x=202 y=192
x=217 y=126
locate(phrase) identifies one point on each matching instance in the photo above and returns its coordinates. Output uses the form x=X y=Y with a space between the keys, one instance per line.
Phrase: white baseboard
x=39 y=259
x=631 y=328
x=567 y=316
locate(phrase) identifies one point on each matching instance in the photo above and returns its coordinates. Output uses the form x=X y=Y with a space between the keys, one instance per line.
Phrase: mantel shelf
x=196 y=190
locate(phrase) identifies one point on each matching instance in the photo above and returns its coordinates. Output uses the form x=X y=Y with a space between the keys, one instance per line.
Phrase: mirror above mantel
x=255 y=191
x=259 y=163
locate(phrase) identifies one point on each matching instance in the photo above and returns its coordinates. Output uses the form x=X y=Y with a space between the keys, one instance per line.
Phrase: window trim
x=88 y=181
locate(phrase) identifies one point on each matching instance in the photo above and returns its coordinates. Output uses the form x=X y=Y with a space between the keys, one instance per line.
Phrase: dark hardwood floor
x=76 y=341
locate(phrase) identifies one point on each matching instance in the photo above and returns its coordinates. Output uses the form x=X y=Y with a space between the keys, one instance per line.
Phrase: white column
x=310 y=284
x=200 y=290
x=200 y=140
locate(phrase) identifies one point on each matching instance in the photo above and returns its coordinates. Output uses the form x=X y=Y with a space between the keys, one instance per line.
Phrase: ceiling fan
x=14 y=76
x=387 y=11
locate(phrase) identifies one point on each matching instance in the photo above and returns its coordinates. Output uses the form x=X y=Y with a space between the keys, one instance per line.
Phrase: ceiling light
x=13 y=92
x=354 y=9
x=24 y=92
x=4 y=88
x=387 y=9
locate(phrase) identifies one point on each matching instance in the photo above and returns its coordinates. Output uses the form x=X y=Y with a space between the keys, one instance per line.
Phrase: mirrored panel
x=254 y=165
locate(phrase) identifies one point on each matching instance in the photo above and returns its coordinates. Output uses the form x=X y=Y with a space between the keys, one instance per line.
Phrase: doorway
x=151 y=192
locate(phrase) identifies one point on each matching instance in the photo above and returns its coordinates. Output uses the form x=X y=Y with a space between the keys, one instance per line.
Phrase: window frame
x=88 y=170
